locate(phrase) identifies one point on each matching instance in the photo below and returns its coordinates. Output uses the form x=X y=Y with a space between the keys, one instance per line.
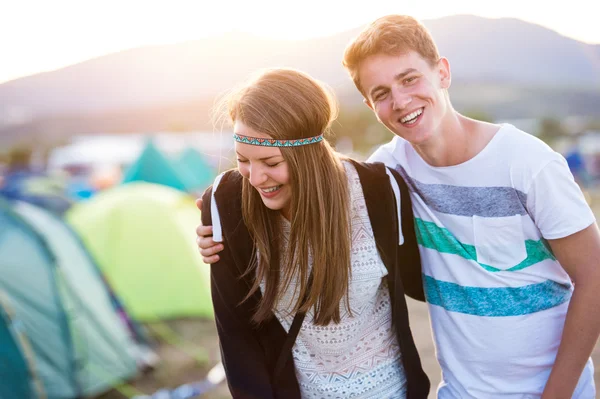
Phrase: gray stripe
x=468 y=201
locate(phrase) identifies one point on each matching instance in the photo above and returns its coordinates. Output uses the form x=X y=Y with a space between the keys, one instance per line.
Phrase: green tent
x=200 y=172
x=80 y=346
x=143 y=238
x=153 y=167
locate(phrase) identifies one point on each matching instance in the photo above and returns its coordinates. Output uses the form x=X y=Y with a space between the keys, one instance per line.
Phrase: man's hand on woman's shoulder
x=208 y=248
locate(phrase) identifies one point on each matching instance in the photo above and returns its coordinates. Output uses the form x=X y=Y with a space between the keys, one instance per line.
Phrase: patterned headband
x=275 y=142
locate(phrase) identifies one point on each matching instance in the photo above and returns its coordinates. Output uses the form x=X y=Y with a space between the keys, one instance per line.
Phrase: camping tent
x=80 y=346
x=153 y=167
x=200 y=172
x=142 y=236
x=49 y=224
x=48 y=192
x=16 y=366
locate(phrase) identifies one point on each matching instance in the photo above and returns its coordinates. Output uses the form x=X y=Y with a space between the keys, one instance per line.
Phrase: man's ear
x=444 y=72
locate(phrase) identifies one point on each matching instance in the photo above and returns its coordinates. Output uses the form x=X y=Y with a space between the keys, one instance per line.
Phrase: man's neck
x=458 y=140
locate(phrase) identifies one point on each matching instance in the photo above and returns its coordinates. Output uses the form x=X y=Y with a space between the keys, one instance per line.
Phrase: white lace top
x=360 y=356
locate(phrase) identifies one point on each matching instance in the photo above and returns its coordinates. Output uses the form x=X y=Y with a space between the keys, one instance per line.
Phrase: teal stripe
x=495 y=302
x=440 y=239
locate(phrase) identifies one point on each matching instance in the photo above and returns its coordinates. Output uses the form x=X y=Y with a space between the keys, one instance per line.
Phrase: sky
x=43 y=35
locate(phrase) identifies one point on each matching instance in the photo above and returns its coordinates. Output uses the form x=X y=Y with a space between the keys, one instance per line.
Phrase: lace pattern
x=360 y=356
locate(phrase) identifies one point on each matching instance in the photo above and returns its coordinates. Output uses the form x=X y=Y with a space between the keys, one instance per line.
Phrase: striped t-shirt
x=497 y=296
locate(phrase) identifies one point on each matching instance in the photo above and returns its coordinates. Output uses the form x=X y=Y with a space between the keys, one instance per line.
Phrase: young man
x=509 y=247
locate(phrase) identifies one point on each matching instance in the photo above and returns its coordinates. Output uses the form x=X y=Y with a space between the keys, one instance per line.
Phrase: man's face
x=406 y=93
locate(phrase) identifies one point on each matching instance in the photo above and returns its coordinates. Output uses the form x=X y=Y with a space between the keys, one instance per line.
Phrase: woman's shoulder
x=371 y=174
x=370 y=168
x=376 y=178
x=223 y=198
x=230 y=180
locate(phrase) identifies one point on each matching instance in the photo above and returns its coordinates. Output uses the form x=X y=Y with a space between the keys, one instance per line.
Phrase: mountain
x=166 y=74
x=155 y=80
x=511 y=50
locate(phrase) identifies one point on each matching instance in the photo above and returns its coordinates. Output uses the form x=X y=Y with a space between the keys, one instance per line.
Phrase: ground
x=189 y=359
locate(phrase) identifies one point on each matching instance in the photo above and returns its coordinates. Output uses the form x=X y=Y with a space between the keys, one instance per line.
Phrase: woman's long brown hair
x=288 y=104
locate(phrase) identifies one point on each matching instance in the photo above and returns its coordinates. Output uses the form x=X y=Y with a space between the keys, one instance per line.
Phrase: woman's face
x=265 y=169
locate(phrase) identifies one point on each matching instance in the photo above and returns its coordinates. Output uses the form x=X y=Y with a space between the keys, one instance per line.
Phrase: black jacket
x=250 y=351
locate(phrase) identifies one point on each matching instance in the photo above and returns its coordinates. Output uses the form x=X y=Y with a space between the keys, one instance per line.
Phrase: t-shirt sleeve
x=556 y=203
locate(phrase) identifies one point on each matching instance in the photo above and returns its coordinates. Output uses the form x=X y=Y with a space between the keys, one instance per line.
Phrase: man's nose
x=401 y=100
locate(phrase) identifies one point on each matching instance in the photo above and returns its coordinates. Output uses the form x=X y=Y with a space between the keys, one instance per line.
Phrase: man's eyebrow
x=399 y=76
x=403 y=74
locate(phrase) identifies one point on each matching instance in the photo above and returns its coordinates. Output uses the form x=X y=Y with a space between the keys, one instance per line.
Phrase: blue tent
x=38 y=189
x=16 y=369
x=153 y=167
x=200 y=172
x=577 y=165
x=80 y=346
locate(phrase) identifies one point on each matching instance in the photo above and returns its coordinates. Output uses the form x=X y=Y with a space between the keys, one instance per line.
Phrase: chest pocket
x=499 y=241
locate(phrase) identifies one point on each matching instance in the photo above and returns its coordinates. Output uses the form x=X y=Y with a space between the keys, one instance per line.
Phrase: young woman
x=319 y=252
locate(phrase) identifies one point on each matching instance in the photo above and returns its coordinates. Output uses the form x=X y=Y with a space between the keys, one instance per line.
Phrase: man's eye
x=380 y=96
x=242 y=160
x=410 y=80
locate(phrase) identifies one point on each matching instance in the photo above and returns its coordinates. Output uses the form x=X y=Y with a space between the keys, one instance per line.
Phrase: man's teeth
x=270 y=190
x=411 y=116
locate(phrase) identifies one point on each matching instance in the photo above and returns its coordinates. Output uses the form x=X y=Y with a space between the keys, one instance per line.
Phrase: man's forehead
x=382 y=69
